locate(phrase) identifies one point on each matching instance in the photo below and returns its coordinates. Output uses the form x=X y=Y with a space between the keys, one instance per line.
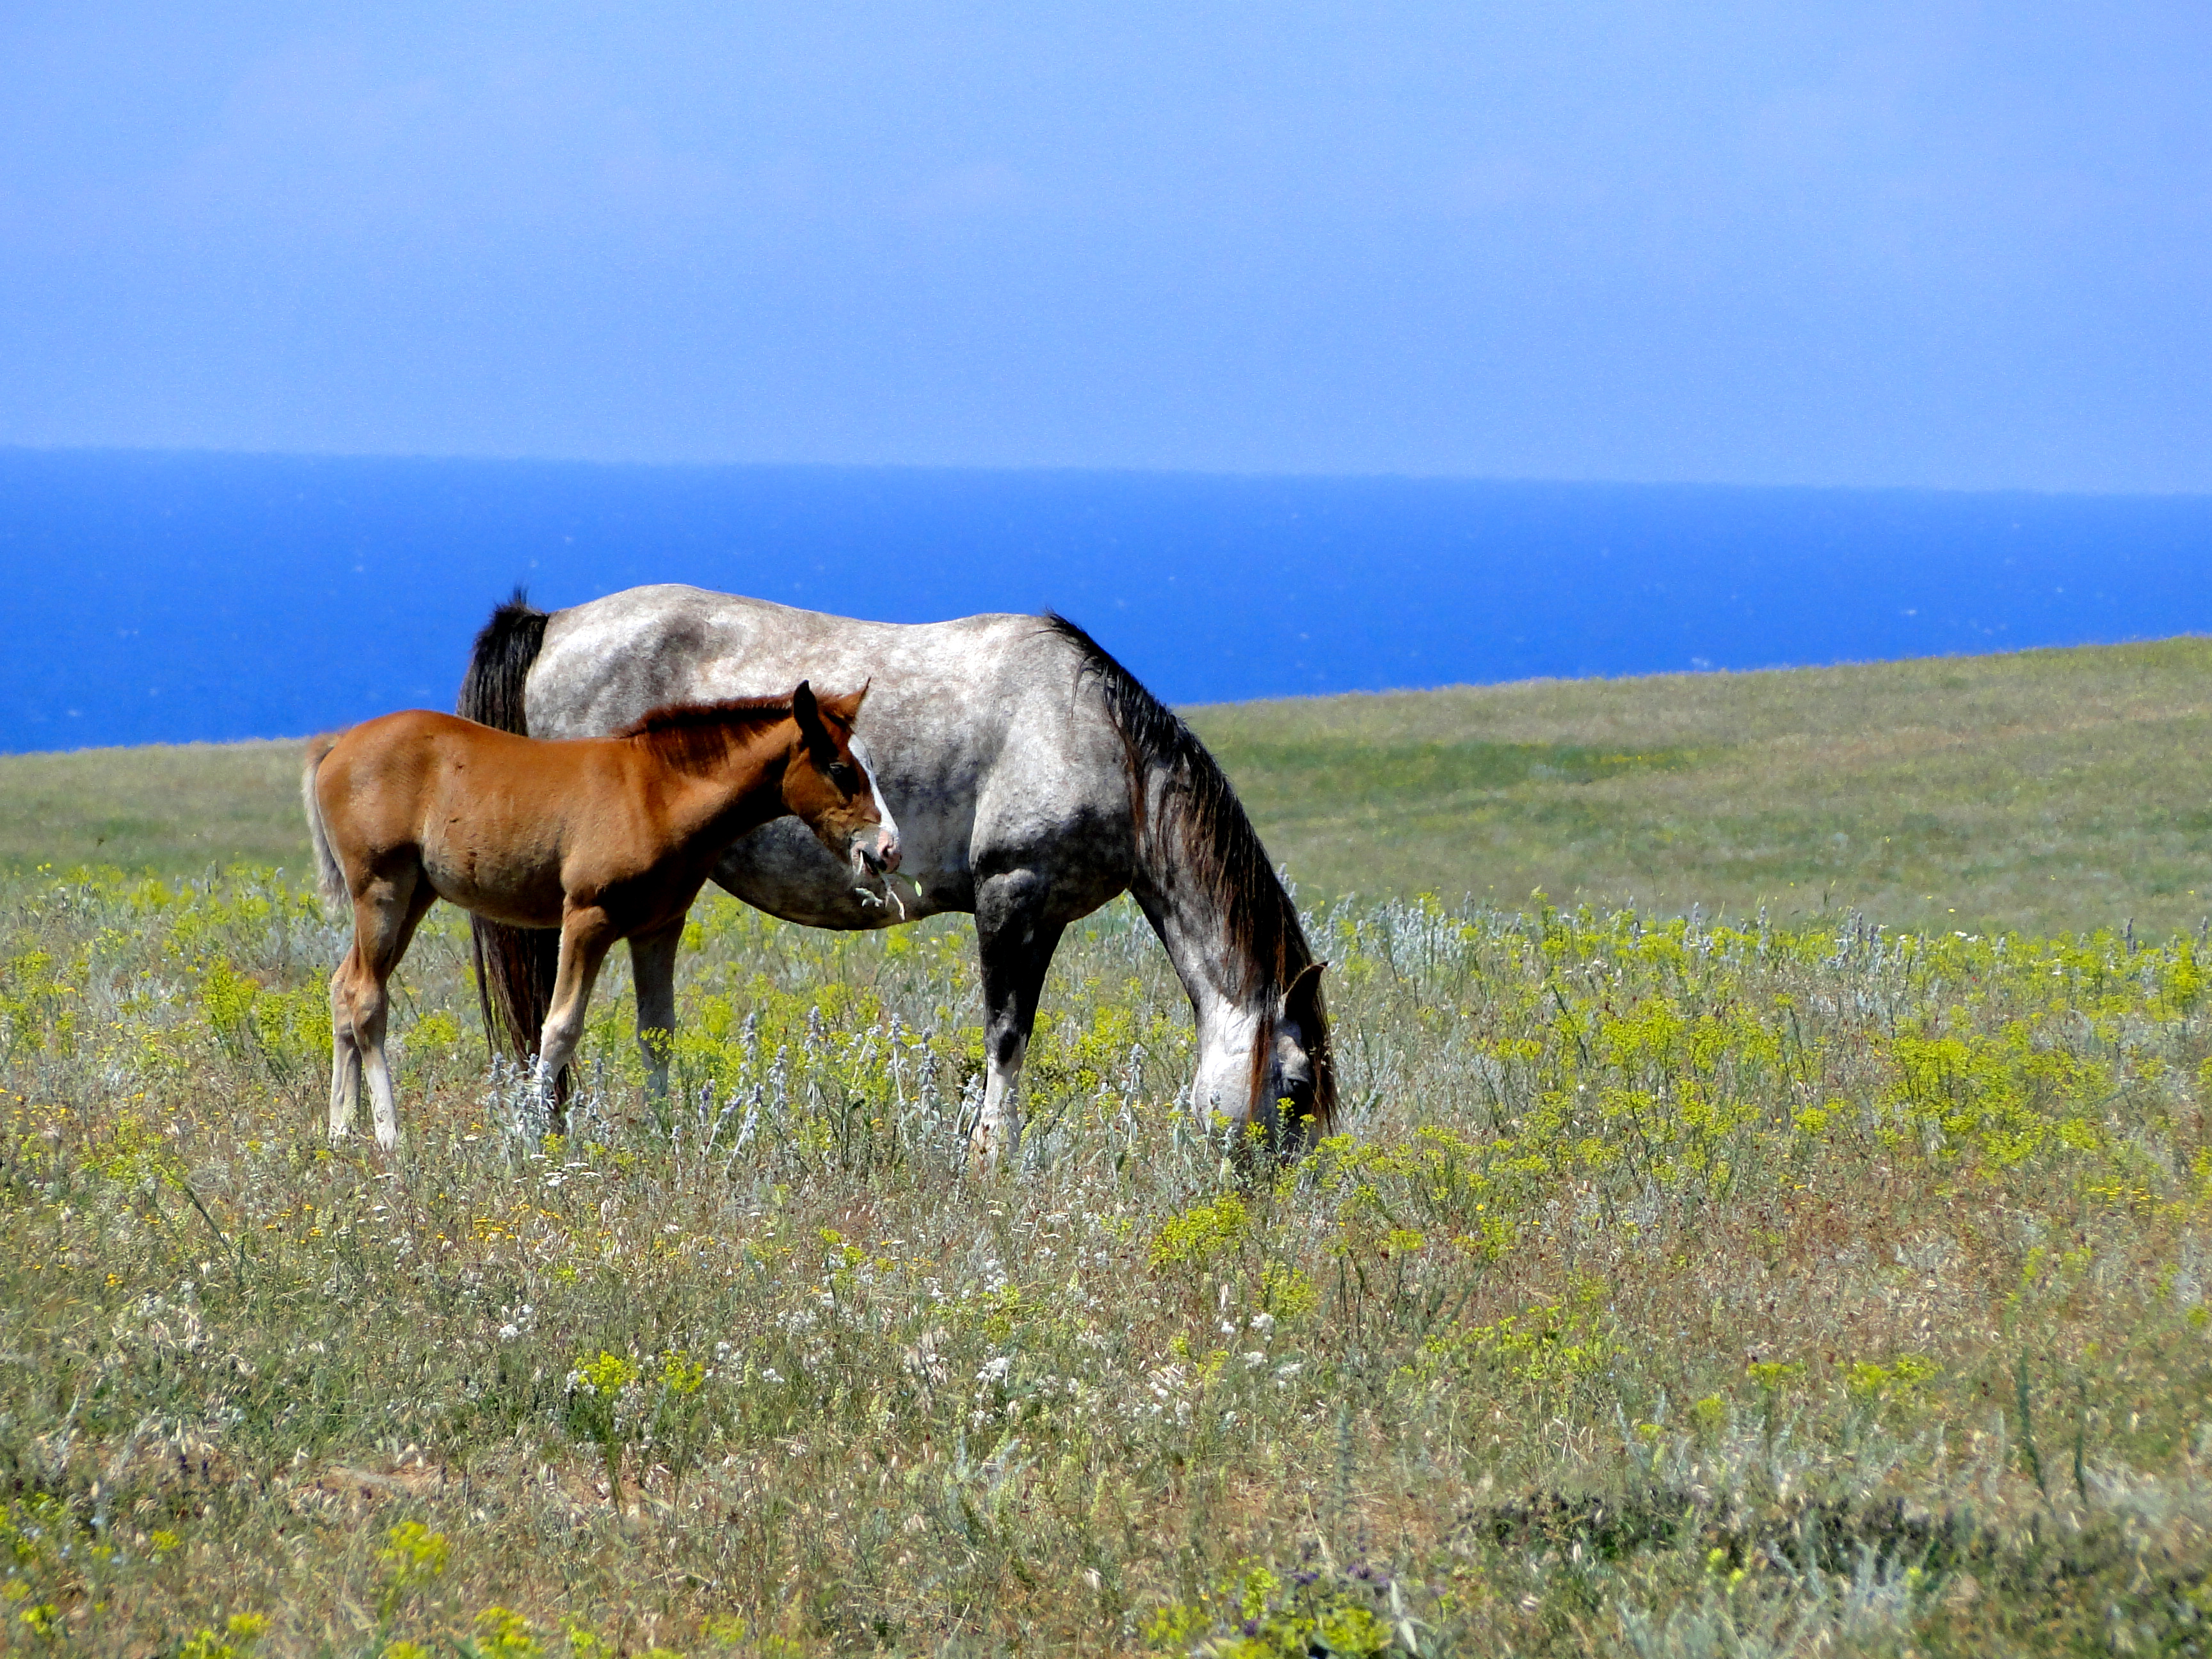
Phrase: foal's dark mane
x=697 y=736
x=1202 y=835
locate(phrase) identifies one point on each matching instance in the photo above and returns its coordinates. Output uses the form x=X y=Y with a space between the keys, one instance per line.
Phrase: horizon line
x=409 y=458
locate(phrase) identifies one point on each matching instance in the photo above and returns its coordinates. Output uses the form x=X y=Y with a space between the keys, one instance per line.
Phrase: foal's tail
x=514 y=965
x=330 y=875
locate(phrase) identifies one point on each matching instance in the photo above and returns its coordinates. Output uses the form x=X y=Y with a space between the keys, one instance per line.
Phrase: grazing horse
x=604 y=838
x=1034 y=779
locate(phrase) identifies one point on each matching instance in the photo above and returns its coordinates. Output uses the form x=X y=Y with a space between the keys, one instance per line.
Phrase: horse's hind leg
x=653 y=965
x=345 y=1049
x=1017 y=943
x=384 y=916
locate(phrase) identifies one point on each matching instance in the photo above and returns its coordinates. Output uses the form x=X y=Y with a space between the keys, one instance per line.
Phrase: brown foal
x=604 y=838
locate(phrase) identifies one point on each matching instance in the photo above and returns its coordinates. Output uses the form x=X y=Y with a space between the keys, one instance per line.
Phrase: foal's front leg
x=586 y=935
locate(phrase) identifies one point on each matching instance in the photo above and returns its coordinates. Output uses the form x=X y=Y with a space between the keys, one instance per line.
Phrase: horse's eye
x=844 y=777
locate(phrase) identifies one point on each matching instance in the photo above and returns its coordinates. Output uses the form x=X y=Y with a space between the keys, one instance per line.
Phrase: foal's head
x=829 y=783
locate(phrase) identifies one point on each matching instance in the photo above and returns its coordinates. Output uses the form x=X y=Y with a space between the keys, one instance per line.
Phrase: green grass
x=176 y=809
x=1784 y=1287
x=2043 y=790
x=1672 y=1290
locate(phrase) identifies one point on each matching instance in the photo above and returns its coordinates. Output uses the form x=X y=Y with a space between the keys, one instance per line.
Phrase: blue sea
x=161 y=597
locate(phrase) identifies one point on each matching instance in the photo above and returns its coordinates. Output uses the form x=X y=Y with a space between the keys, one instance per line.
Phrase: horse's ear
x=1301 y=1001
x=808 y=714
x=845 y=709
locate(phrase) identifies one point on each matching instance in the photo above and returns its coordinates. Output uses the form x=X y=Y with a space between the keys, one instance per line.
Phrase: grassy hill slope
x=2041 y=790
x=175 y=808
x=1668 y=1291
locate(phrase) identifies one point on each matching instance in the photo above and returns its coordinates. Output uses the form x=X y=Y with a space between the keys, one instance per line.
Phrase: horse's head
x=829 y=783
x=1298 y=1089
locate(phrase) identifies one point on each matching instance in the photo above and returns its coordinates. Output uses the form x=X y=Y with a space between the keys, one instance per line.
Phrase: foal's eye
x=844 y=777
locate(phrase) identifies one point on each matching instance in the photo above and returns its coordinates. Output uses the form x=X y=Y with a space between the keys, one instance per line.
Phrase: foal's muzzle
x=881 y=858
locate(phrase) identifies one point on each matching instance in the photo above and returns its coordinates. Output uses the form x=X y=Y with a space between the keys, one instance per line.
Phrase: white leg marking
x=345 y=1066
x=998 y=1132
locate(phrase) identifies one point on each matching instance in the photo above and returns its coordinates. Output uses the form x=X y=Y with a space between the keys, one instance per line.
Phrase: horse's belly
x=521 y=893
x=781 y=869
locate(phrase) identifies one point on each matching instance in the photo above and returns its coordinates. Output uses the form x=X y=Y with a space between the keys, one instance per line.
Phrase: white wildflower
x=923 y=1360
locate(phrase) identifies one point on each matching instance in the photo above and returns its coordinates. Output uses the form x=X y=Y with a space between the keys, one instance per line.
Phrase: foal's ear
x=808 y=714
x=845 y=709
x=1303 y=999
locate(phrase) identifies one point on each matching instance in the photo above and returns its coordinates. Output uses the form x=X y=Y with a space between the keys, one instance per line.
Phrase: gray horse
x=1033 y=779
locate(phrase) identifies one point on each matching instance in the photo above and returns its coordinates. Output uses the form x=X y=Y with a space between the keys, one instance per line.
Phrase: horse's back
x=604 y=663
x=426 y=747
x=389 y=754
x=403 y=776
x=981 y=736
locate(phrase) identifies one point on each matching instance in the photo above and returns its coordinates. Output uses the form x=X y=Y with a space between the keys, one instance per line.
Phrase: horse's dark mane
x=697 y=736
x=1202 y=820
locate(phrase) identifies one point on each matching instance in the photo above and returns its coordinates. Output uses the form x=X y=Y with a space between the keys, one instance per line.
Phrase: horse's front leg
x=653 y=964
x=586 y=935
x=1018 y=942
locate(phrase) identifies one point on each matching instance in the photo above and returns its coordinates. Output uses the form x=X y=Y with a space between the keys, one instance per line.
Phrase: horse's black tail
x=514 y=965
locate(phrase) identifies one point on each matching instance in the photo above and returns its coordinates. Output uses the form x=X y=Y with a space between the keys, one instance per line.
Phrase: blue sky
x=1938 y=244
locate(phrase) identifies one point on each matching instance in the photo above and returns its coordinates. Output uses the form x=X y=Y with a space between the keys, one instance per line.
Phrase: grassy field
x=178 y=809
x=2042 y=790
x=1671 y=1292
x=1675 y=1289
